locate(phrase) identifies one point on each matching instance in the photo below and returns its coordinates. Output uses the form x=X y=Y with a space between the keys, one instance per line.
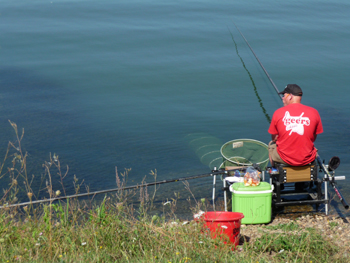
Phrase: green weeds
x=303 y=247
x=333 y=224
x=284 y=227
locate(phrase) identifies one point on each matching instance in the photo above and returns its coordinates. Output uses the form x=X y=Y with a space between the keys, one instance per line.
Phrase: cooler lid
x=263 y=186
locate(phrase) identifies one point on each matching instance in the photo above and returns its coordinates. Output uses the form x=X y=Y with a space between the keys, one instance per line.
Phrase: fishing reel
x=333 y=163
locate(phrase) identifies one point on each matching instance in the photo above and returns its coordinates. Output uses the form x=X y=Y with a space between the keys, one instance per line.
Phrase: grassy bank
x=118 y=229
x=116 y=232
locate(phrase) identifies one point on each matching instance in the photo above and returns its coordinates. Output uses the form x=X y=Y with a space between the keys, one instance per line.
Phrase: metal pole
x=225 y=195
x=214 y=186
x=263 y=175
x=326 y=193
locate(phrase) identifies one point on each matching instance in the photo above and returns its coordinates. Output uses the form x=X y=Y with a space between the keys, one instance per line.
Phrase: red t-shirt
x=296 y=126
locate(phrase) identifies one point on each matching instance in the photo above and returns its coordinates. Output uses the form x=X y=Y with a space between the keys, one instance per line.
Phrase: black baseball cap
x=293 y=89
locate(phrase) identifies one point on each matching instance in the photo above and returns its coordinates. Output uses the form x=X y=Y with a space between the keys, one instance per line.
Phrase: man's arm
x=274 y=137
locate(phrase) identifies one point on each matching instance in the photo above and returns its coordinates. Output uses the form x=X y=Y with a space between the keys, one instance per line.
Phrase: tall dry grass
x=121 y=227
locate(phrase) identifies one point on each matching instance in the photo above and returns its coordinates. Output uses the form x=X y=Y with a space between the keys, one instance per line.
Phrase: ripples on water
x=123 y=83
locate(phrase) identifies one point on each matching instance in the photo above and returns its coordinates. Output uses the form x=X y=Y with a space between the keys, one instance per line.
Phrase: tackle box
x=253 y=201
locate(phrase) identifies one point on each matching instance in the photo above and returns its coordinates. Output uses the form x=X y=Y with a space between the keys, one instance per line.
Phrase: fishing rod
x=213 y=173
x=267 y=74
x=330 y=178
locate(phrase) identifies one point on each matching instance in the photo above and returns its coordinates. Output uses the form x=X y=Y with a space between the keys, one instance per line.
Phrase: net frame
x=239 y=160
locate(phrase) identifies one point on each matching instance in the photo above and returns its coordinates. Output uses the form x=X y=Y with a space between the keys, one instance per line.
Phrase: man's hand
x=274 y=137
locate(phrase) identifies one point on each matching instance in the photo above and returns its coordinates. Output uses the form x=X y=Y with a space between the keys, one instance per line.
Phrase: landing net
x=244 y=152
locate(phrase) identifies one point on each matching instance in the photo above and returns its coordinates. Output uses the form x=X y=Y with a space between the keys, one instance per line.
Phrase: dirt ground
x=334 y=227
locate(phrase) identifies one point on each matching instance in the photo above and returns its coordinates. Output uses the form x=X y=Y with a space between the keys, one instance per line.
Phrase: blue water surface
x=128 y=83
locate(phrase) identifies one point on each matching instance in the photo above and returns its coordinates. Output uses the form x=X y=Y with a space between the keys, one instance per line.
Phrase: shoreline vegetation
x=124 y=228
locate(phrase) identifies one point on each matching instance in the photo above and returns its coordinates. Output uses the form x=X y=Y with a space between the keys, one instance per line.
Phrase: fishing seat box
x=294 y=174
x=254 y=202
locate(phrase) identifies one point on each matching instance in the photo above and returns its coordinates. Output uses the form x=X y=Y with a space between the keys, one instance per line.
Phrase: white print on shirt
x=295 y=124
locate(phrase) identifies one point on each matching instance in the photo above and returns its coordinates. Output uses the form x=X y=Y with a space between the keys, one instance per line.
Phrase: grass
x=115 y=229
x=114 y=232
x=109 y=233
x=333 y=224
x=285 y=227
x=308 y=246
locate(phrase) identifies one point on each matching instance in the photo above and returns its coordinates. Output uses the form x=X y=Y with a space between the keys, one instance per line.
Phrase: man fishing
x=293 y=129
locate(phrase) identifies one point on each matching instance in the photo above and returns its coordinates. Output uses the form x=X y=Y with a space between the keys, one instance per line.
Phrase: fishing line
x=251 y=78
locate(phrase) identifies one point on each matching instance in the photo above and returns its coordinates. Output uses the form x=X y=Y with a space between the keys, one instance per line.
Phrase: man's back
x=296 y=126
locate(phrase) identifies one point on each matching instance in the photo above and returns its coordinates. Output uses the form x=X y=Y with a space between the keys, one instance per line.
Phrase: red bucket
x=224 y=223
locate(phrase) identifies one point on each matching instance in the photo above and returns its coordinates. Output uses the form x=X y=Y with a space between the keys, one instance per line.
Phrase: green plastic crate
x=253 y=201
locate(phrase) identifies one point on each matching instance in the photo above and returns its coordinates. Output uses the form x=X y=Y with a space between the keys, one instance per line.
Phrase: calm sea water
x=131 y=83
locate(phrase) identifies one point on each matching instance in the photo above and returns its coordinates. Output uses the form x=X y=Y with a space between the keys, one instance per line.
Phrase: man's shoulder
x=308 y=108
x=295 y=110
x=297 y=106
